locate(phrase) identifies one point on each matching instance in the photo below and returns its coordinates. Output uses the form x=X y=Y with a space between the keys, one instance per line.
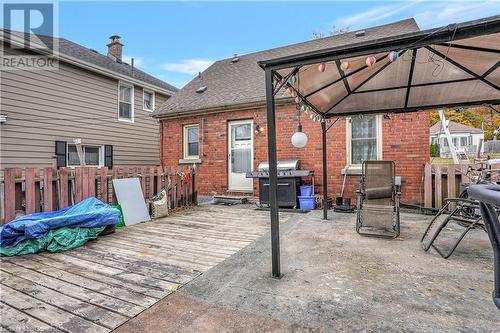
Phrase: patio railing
x=30 y=190
x=443 y=181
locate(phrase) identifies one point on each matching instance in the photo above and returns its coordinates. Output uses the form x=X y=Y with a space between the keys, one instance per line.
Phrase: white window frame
x=132 y=96
x=101 y=155
x=349 y=143
x=144 y=91
x=185 y=143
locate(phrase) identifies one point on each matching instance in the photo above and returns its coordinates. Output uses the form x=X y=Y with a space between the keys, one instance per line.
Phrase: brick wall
x=405 y=140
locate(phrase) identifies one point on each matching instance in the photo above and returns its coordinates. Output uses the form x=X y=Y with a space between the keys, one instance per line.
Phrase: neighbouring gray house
x=94 y=106
x=465 y=138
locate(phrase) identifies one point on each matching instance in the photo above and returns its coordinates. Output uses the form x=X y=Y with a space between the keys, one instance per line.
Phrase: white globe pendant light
x=299 y=138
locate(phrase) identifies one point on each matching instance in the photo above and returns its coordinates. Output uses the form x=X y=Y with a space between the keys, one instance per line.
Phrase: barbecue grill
x=289 y=177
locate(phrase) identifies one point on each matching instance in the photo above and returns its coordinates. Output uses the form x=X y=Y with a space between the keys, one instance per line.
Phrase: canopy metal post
x=325 y=173
x=273 y=175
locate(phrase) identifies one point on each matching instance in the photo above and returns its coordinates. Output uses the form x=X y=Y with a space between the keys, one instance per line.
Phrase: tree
x=479 y=117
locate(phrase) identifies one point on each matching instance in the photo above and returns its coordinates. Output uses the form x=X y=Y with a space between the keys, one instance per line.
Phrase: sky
x=175 y=40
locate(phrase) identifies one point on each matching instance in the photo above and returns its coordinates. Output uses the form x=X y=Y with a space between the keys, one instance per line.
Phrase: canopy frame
x=274 y=81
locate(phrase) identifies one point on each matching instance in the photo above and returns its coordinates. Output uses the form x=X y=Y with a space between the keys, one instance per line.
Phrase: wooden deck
x=101 y=285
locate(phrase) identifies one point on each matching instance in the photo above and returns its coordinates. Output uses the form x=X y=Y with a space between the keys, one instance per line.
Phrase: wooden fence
x=30 y=190
x=443 y=181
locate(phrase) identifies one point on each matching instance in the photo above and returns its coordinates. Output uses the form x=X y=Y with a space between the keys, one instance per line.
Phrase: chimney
x=115 y=48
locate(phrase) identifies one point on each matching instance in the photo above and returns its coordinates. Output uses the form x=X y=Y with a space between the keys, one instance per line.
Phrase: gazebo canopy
x=455 y=65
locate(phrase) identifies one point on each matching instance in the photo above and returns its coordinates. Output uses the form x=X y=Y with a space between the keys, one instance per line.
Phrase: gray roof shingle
x=82 y=53
x=243 y=81
x=454 y=127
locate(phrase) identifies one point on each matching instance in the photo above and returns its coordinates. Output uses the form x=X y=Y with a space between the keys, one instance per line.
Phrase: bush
x=434 y=150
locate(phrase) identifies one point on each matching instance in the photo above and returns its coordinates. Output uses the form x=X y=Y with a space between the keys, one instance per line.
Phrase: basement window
x=93 y=155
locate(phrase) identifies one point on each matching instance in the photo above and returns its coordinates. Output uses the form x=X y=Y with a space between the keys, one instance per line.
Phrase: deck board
x=101 y=285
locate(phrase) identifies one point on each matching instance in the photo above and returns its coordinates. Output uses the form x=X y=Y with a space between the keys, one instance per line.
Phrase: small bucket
x=307 y=202
x=306 y=190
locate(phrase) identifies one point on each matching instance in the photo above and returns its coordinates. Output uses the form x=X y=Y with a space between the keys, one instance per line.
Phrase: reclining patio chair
x=378 y=201
x=465 y=212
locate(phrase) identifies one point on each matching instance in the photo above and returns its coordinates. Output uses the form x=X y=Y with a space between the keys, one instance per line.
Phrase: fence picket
x=63 y=187
x=9 y=195
x=91 y=182
x=151 y=182
x=103 y=189
x=48 y=196
x=29 y=179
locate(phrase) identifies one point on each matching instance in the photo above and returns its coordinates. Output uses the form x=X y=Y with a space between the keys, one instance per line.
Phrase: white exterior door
x=240 y=157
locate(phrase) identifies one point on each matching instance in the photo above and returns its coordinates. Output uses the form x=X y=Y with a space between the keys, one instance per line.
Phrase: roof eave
x=220 y=108
x=94 y=68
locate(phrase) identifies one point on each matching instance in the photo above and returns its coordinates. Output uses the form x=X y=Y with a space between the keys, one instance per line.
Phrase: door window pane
x=243 y=132
x=363 y=139
x=241 y=148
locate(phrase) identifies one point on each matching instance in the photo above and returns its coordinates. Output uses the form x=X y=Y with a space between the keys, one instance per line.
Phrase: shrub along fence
x=30 y=190
x=443 y=181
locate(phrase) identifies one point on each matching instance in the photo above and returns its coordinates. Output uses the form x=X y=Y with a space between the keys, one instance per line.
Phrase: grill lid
x=282 y=165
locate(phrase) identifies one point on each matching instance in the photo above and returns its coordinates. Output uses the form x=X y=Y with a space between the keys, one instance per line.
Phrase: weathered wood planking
x=99 y=286
x=446 y=178
x=65 y=186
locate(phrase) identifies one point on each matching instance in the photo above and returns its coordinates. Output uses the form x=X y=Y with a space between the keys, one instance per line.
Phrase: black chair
x=378 y=201
x=489 y=202
x=465 y=213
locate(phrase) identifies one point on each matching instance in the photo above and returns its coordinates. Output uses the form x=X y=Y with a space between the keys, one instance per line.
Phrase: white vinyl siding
x=70 y=104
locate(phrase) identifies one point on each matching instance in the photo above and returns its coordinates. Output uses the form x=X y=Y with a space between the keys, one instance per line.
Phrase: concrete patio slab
x=337 y=281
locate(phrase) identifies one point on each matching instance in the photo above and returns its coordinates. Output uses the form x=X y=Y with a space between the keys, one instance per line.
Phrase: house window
x=191 y=141
x=466 y=141
x=148 y=100
x=364 y=139
x=126 y=102
x=93 y=155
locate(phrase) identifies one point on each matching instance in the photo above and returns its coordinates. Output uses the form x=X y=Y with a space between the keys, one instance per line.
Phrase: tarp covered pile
x=57 y=231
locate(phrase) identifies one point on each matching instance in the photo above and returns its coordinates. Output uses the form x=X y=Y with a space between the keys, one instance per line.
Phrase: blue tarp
x=89 y=213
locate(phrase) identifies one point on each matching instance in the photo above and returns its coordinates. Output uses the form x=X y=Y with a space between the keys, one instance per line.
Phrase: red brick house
x=218 y=122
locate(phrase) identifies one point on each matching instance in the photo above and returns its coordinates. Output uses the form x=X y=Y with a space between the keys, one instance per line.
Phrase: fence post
x=78 y=184
x=91 y=182
x=428 y=185
x=48 y=177
x=151 y=182
x=104 y=185
x=9 y=194
x=452 y=188
x=438 y=182
x=63 y=186
x=29 y=181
